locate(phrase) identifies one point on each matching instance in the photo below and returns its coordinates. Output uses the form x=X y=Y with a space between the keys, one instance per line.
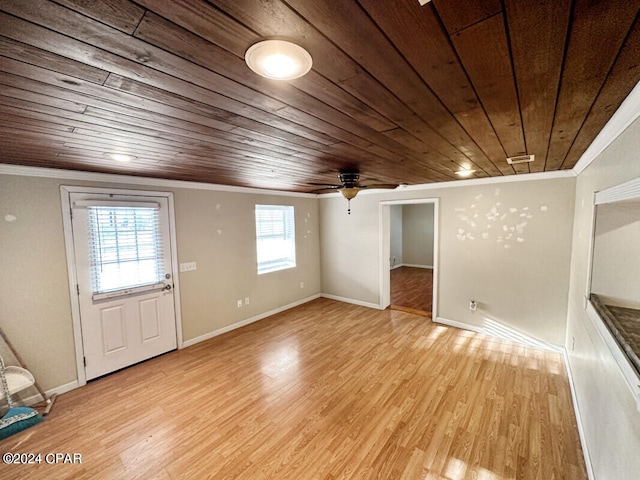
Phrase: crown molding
x=25 y=171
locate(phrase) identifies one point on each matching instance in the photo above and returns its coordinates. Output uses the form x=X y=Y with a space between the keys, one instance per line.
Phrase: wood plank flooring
x=412 y=290
x=327 y=390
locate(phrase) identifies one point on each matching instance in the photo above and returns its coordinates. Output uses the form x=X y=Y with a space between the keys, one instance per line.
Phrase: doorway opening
x=409 y=256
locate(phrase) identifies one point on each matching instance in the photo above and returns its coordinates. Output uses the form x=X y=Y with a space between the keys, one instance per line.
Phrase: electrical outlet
x=188 y=267
x=240 y=303
x=301 y=284
x=246 y=300
x=473 y=306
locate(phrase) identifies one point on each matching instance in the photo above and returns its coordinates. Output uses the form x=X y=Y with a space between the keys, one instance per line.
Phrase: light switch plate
x=188 y=267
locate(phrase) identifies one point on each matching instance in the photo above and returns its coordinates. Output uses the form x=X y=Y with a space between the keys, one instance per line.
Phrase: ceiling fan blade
x=329 y=188
x=330 y=185
x=380 y=185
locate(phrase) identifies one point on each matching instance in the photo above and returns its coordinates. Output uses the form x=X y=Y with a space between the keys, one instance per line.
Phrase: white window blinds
x=125 y=247
x=275 y=237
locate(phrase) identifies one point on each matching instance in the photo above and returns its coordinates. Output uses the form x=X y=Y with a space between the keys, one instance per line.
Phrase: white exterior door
x=125 y=290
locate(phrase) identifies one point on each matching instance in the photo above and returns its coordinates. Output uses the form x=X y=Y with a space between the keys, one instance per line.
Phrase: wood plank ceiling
x=403 y=92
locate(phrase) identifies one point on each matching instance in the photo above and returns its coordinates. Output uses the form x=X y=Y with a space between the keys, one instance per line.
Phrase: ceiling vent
x=521 y=159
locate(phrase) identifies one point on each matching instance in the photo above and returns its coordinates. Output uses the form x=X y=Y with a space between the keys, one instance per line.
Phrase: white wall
x=505 y=245
x=611 y=423
x=215 y=229
x=417 y=234
x=396 y=235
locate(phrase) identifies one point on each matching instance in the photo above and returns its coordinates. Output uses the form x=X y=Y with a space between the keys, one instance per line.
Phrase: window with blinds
x=125 y=247
x=275 y=237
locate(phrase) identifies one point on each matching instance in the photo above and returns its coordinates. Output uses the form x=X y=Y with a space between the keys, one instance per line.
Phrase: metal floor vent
x=521 y=159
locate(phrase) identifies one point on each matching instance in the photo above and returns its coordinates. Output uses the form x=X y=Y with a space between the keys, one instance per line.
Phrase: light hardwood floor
x=323 y=391
x=412 y=290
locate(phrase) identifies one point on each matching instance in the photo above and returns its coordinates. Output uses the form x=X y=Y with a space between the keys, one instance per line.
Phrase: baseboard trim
x=415 y=265
x=576 y=409
x=248 y=321
x=352 y=301
x=67 y=387
x=500 y=330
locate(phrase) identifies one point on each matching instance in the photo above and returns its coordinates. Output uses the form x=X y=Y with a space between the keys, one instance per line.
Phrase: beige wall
x=34 y=300
x=610 y=420
x=417 y=234
x=505 y=245
x=215 y=229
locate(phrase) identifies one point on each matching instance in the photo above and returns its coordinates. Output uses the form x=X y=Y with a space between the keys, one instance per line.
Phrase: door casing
x=65 y=192
x=385 y=249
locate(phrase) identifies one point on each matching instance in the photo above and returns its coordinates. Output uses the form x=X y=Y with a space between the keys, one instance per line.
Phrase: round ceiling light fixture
x=278 y=59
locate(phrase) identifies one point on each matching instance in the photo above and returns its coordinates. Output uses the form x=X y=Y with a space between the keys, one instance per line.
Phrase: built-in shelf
x=612 y=302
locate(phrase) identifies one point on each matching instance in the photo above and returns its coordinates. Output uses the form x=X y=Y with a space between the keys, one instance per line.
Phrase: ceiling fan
x=349 y=186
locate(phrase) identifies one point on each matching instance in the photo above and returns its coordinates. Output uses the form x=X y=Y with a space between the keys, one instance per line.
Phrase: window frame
x=283 y=232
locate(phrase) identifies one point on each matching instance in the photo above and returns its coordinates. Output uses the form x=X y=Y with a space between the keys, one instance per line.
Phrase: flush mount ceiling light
x=120 y=157
x=278 y=59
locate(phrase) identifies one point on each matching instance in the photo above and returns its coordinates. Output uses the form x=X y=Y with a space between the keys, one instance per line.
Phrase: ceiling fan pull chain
x=349 y=206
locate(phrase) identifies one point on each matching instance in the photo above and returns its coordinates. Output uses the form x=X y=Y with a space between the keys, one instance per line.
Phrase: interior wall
x=417 y=234
x=396 y=235
x=506 y=245
x=215 y=229
x=610 y=419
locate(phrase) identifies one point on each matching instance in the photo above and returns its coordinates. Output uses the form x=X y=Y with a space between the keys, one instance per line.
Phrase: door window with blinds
x=275 y=237
x=125 y=248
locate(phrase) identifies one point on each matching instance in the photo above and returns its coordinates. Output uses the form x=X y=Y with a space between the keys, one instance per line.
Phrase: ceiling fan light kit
x=348 y=192
x=278 y=60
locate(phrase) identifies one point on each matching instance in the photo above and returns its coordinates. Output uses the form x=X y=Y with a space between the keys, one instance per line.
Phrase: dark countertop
x=624 y=324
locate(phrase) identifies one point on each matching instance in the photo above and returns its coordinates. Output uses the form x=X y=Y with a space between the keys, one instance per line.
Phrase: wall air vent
x=521 y=159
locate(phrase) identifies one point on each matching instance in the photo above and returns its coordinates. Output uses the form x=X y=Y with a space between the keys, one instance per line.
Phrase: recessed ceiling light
x=278 y=59
x=120 y=157
x=464 y=173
